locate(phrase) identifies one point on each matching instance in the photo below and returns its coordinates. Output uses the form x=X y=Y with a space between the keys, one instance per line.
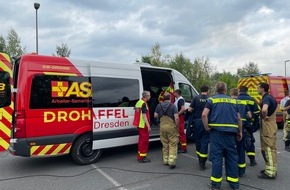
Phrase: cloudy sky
x=229 y=32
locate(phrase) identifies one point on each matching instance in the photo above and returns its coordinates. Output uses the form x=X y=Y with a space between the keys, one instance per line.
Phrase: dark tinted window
x=114 y=92
x=49 y=91
x=157 y=82
x=5 y=90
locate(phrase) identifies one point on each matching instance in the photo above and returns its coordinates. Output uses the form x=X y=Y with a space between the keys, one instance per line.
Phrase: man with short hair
x=221 y=117
x=201 y=135
x=268 y=132
x=142 y=121
x=169 y=136
x=180 y=104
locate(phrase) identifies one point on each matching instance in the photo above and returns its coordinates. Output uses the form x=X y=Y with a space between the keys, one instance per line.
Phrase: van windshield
x=5 y=89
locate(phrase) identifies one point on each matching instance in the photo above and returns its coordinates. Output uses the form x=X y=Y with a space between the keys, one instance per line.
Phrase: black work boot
x=201 y=163
x=201 y=166
x=287 y=145
x=252 y=161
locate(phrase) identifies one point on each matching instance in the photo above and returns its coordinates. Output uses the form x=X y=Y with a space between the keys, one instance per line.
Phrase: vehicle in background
x=6 y=105
x=278 y=86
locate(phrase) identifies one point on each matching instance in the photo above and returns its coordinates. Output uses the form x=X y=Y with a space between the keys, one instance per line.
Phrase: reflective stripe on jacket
x=138 y=118
x=224 y=113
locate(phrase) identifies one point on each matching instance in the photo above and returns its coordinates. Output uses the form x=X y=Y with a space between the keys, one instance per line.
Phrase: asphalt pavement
x=119 y=169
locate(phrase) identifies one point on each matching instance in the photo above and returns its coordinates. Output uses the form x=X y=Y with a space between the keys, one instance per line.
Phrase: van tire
x=82 y=152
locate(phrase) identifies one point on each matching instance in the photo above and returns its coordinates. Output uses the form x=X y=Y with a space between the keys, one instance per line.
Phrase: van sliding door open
x=155 y=81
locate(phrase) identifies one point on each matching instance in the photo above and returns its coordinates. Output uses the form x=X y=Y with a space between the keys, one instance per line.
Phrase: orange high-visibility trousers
x=143 y=142
x=182 y=136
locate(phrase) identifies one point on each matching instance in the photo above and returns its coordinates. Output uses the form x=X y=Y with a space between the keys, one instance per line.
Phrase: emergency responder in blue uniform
x=245 y=114
x=252 y=126
x=201 y=135
x=221 y=117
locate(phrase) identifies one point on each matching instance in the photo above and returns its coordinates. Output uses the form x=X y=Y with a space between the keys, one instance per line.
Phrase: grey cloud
x=269 y=43
x=125 y=30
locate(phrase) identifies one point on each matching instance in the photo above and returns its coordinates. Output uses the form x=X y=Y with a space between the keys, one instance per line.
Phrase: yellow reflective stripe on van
x=3 y=143
x=233 y=179
x=60 y=74
x=217 y=180
x=223 y=100
x=222 y=125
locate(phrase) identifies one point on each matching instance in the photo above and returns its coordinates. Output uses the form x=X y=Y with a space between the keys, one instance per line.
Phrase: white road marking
x=141 y=186
x=189 y=156
x=108 y=177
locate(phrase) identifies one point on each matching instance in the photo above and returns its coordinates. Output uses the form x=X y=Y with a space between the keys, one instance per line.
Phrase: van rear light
x=19 y=125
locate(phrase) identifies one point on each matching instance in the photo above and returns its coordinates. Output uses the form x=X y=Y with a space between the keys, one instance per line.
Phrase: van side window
x=52 y=91
x=187 y=91
x=114 y=92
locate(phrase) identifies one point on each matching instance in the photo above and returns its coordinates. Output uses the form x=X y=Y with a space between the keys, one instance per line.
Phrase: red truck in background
x=278 y=86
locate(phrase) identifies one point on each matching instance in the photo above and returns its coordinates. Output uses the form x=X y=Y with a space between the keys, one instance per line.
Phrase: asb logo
x=58 y=88
x=62 y=89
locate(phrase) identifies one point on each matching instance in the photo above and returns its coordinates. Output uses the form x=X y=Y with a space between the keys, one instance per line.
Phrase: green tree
x=230 y=79
x=146 y=59
x=198 y=72
x=11 y=44
x=249 y=69
x=2 y=44
x=202 y=72
x=62 y=50
x=155 y=57
x=182 y=64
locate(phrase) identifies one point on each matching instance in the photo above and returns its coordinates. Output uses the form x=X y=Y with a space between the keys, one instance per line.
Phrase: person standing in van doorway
x=142 y=121
x=201 y=135
x=169 y=135
x=179 y=103
x=268 y=132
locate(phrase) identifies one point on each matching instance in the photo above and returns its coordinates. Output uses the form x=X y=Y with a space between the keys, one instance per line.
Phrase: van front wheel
x=82 y=152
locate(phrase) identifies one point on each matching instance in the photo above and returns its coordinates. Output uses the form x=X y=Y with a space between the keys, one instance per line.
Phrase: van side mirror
x=5 y=89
